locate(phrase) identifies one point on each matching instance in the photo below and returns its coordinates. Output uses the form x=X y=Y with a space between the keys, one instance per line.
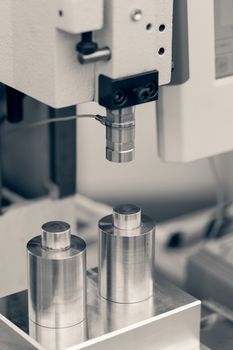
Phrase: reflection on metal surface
x=60 y=338
x=57 y=277
x=126 y=255
x=56 y=235
x=118 y=315
x=127 y=217
x=137 y=326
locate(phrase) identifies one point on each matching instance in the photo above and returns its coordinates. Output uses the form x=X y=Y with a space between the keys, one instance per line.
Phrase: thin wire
x=58 y=120
x=50 y=121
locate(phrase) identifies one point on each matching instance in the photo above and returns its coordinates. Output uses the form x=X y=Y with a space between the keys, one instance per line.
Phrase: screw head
x=119 y=96
x=136 y=15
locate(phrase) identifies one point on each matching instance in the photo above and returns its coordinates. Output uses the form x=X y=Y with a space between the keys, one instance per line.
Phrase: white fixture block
x=38 y=41
x=78 y=16
x=135 y=44
x=37 y=58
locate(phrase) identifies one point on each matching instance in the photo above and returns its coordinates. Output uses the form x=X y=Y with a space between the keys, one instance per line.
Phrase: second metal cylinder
x=126 y=255
x=57 y=277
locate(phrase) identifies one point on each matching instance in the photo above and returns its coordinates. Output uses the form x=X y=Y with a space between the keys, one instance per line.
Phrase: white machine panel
x=71 y=16
x=135 y=44
x=37 y=58
x=195 y=119
x=38 y=40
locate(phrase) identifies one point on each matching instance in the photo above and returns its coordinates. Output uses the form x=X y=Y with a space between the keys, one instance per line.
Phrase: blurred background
x=163 y=190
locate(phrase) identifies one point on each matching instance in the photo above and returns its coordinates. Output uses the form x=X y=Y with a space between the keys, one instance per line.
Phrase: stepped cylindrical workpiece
x=126 y=255
x=56 y=277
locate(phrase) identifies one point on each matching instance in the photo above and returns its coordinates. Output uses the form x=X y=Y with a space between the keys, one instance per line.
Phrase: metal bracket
x=128 y=91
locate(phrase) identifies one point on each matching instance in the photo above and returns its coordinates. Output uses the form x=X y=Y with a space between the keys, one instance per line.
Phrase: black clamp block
x=128 y=91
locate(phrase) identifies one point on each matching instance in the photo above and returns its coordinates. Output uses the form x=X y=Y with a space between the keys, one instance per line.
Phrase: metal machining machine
x=119 y=53
x=72 y=52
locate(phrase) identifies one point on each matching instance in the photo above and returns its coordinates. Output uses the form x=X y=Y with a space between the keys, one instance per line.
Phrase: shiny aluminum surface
x=57 y=279
x=59 y=338
x=126 y=255
x=103 y=54
x=56 y=235
x=168 y=320
x=120 y=135
x=127 y=217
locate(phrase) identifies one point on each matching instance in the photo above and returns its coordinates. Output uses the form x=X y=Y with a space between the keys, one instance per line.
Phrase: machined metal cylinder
x=56 y=277
x=126 y=255
x=120 y=315
x=58 y=338
x=120 y=135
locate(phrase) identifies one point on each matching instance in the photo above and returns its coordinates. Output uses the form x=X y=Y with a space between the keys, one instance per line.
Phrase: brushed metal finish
x=168 y=320
x=58 y=338
x=57 y=283
x=126 y=217
x=56 y=235
x=126 y=257
x=120 y=135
